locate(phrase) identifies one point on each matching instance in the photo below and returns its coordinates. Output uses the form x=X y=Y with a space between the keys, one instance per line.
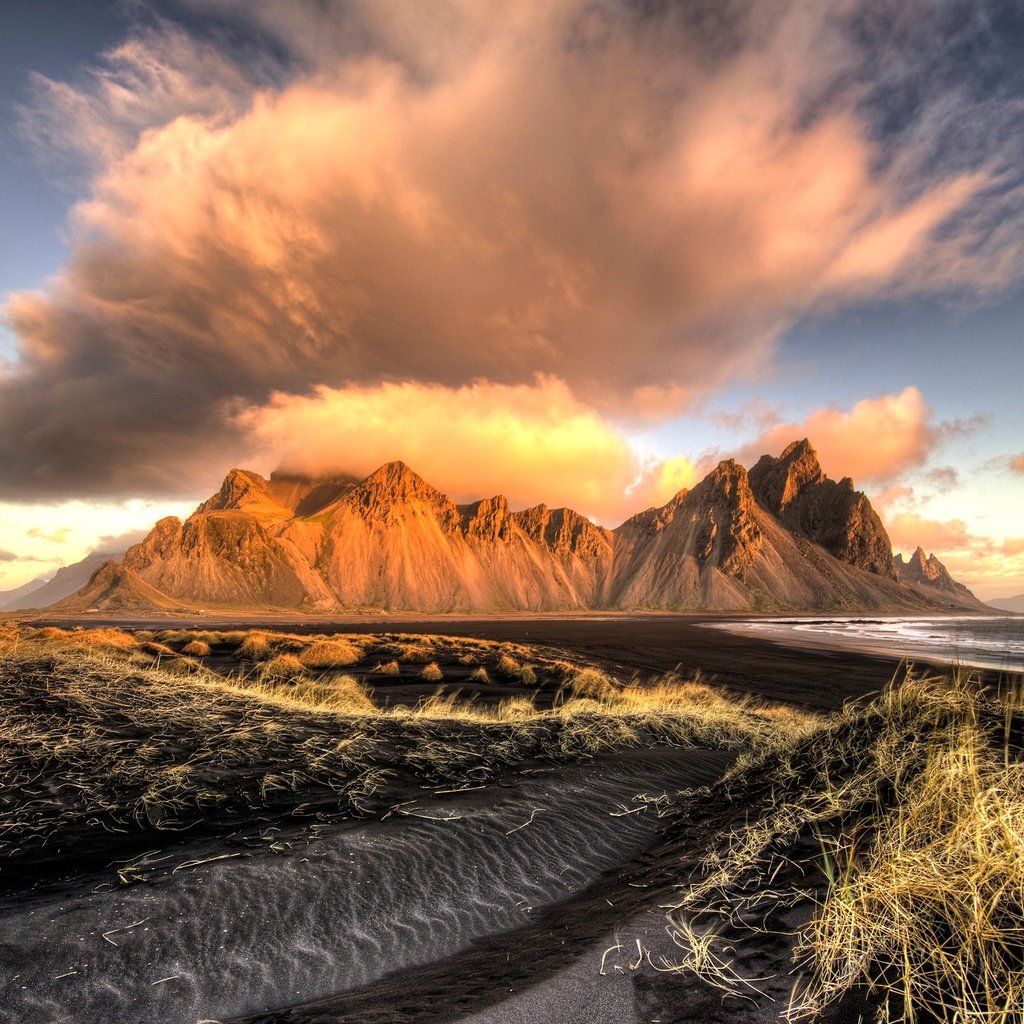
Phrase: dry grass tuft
x=479 y=675
x=158 y=650
x=282 y=667
x=341 y=695
x=324 y=654
x=107 y=638
x=432 y=673
x=589 y=683
x=414 y=653
x=196 y=649
x=387 y=668
x=508 y=667
x=918 y=810
x=255 y=646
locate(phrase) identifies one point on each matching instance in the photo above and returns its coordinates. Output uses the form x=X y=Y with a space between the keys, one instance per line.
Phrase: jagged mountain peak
x=399 y=480
x=241 y=487
x=923 y=569
x=778 y=482
x=795 y=489
x=728 y=480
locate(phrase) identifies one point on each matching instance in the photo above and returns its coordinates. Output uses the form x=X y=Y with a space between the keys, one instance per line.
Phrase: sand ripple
x=247 y=934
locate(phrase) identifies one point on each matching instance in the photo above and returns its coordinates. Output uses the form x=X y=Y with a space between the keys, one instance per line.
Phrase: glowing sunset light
x=571 y=252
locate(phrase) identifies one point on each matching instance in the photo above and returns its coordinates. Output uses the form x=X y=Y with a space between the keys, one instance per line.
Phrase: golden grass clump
x=342 y=695
x=479 y=675
x=414 y=653
x=158 y=650
x=432 y=673
x=105 y=638
x=918 y=810
x=387 y=668
x=508 y=667
x=590 y=683
x=196 y=649
x=255 y=646
x=282 y=667
x=48 y=633
x=934 y=908
x=330 y=654
x=10 y=636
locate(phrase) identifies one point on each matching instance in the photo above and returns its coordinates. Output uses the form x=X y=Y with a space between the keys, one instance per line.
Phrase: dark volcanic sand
x=626 y=644
x=345 y=913
x=428 y=922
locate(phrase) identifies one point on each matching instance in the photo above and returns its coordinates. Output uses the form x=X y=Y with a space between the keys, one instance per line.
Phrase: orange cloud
x=875 y=441
x=534 y=443
x=1017 y=463
x=908 y=530
x=630 y=199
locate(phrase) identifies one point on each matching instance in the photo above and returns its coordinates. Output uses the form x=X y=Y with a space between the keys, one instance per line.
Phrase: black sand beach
x=539 y=900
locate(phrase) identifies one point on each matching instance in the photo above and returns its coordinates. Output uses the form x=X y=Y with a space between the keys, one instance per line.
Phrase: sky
x=572 y=251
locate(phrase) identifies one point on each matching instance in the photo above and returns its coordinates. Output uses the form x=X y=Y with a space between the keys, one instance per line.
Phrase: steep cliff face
x=830 y=513
x=783 y=537
x=397 y=542
x=218 y=556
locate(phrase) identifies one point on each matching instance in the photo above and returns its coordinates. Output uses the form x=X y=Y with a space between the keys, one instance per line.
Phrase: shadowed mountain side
x=783 y=538
x=795 y=490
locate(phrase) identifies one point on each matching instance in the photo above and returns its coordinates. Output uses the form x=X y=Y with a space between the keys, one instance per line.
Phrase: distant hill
x=112 y=588
x=1009 y=604
x=65 y=582
x=10 y=597
x=783 y=537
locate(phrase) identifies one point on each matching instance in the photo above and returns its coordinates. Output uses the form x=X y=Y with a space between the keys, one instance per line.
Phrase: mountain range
x=781 y=537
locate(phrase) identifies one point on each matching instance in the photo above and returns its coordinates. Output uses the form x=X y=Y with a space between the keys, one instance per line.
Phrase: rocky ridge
x=781 y=537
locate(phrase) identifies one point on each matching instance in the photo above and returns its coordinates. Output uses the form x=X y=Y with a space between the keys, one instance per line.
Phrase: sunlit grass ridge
x=916 y=804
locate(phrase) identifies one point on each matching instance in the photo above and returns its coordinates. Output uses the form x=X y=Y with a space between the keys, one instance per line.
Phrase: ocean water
x=985 y=641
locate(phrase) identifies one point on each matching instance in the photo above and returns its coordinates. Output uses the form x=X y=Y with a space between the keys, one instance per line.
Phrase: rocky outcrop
x=783 y=537
x=930 y=578
x=717 y=547
x=830 y=513
x=218 y=556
